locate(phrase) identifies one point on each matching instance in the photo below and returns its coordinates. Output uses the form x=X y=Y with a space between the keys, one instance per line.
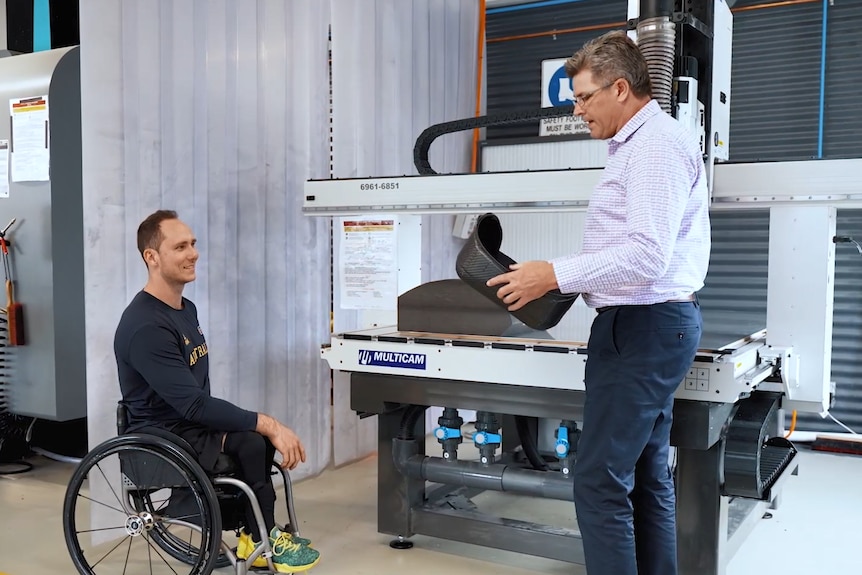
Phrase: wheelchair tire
x=180 y=465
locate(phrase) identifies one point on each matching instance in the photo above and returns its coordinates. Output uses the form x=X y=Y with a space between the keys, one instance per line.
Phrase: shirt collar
x=639 y=119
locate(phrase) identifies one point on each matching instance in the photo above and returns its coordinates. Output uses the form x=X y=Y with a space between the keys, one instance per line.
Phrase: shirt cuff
x=565 y=271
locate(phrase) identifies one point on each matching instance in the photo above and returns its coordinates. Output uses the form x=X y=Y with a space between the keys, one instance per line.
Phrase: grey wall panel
x=417 y=68
x=3 y=26
x=217 y=110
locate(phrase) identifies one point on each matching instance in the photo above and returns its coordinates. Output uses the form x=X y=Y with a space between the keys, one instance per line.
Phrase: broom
x=14 y=310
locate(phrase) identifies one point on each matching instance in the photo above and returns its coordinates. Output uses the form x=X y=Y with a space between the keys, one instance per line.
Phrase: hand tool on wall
x=14 y=310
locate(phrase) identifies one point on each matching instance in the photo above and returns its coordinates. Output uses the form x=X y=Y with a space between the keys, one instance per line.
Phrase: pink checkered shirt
x=647 y=233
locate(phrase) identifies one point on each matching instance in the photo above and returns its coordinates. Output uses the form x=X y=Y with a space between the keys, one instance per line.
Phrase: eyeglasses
x=584 y=98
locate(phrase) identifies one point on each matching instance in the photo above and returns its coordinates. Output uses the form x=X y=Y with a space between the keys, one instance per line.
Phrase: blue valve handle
x=484 y=438
x=444 y=433
x=561 y=448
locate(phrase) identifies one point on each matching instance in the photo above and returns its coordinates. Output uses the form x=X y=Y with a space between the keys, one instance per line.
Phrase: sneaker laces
x=284 y=543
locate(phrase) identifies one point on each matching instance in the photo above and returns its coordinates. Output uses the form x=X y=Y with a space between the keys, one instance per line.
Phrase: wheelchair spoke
x=100 y=529
x=150 y=556
x=128 y=552
x=102 y=504
x=109 y=484
x=150 y=543
x=109 y=552
x=160 y=507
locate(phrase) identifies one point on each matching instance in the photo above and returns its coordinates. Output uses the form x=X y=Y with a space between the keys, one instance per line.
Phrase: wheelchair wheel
x=177 y=547
x=152 y=488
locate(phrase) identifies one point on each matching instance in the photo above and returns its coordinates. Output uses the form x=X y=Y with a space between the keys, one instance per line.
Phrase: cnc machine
x=453 y=348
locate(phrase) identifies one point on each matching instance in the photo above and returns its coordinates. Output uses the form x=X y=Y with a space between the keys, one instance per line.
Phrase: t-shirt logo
x=200 y=331
x=186 y=340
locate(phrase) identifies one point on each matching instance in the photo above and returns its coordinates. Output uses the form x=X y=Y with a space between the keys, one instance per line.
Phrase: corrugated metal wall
x=776 y=71
x=842 y=120
x=734 y=296
x=776 y=114
x=183 y=107
x=514 y=66
x=774 y=109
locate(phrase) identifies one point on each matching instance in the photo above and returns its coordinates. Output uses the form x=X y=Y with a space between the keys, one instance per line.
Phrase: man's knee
x=247 y=445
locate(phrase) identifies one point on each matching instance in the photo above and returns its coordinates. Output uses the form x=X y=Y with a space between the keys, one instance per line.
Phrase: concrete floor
x=815 y=531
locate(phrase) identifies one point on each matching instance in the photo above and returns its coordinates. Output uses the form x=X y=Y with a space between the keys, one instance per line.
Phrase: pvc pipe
x=494 y=477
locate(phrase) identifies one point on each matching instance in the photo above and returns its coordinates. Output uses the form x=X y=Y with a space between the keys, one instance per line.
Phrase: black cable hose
x=23 y=467
x=427 y=137
x=529 y=445
x=408 y=421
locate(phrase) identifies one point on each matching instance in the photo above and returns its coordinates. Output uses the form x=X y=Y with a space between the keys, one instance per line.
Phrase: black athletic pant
x=254 y=453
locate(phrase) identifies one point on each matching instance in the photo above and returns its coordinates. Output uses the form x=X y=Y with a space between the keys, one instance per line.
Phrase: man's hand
x=283 y=439
x=526 y=282
x=287 y=443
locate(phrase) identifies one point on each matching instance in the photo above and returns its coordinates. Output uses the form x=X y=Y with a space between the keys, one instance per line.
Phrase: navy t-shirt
x=163 y=367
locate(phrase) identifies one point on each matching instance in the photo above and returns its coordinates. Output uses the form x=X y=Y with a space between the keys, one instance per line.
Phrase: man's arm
x=154 y=353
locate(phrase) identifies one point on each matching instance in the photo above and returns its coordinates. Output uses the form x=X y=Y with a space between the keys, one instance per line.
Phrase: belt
x=684 y=299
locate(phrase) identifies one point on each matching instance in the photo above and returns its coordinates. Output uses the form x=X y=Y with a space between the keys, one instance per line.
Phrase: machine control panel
x=697 y=379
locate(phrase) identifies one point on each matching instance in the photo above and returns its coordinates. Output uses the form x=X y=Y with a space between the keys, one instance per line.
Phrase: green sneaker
x=297 y=538
x=288 y=555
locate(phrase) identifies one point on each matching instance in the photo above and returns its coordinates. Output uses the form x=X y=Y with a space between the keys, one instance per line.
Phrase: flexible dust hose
x=408 y=421
x=656 y=40
x=528 y=443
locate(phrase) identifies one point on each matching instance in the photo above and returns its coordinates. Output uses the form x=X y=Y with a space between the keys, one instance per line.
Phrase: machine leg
x=397 y=495
x=701 y=512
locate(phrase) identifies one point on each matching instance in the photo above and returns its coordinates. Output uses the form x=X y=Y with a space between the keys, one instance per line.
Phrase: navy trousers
x=624 y=490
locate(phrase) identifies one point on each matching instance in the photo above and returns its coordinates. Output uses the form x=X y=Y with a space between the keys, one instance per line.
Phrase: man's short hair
x=610 y=57
x=150 y=234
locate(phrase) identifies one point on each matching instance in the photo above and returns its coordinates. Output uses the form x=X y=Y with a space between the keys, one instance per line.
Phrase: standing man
x=163 y=367
x=646 y=251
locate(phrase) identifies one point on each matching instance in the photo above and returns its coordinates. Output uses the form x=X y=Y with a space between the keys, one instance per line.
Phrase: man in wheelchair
x=163 y=368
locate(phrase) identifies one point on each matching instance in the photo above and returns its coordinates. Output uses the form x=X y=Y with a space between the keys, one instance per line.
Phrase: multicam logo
x=392 y=359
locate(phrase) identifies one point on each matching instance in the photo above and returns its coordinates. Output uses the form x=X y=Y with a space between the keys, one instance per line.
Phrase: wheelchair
x=162 y=513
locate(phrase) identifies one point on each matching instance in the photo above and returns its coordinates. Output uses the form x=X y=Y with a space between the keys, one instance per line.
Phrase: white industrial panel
x=553 y=155
x=800 y=301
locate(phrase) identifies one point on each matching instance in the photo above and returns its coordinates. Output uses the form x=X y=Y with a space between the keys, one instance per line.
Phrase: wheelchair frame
x=176 y=453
